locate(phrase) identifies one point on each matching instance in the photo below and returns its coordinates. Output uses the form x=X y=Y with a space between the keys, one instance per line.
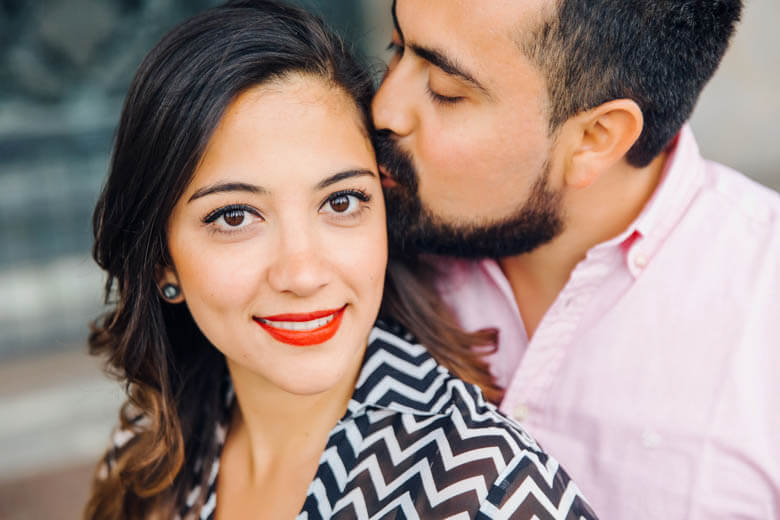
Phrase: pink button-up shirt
x=655 y=376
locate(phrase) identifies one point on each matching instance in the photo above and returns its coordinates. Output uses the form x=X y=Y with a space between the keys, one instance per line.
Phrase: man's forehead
x=450 y=24
x=473 y=29
x=491 y=17
x=482 y=35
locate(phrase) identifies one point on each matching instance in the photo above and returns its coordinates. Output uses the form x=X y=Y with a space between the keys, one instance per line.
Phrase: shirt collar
x=399 y=375
x=681 y=178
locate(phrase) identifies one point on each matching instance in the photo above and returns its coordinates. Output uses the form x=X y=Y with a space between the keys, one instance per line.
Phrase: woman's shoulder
x=424 y=417
x=404 y=364
x=413 y=383
x=406 y=368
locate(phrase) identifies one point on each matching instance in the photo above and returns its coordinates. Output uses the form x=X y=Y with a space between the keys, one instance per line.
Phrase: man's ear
x=167 y=280
x=600 y=138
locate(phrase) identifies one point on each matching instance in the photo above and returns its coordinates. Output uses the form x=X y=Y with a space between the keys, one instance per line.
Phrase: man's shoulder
x=734 y=221
x=742 y=197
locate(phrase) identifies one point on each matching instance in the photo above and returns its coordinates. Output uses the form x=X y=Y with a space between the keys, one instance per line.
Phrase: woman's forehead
x=303 y=125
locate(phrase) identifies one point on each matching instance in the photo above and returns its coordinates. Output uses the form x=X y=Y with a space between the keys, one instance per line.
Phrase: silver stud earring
x=170 y=291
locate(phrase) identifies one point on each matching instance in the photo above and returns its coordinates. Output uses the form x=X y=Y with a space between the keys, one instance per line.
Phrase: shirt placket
x=530 y=389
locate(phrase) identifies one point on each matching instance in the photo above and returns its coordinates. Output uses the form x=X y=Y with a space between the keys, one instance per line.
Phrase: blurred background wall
x=64 y=68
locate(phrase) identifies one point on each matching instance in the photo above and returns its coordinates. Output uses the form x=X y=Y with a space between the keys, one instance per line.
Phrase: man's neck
x=593 y=215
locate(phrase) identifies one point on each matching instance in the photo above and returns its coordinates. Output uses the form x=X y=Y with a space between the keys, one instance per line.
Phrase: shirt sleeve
x=534 y=486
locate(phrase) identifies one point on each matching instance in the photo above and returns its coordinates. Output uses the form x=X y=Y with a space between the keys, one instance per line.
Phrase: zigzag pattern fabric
x=418 y=443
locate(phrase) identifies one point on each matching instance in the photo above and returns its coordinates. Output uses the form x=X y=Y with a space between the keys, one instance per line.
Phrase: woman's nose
x=299 y=267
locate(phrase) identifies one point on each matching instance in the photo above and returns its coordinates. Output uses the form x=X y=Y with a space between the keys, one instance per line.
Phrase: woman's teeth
x=299 y=325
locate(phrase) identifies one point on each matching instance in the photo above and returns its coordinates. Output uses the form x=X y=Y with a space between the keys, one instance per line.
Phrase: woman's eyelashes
x=346 y=205
x=232 y=218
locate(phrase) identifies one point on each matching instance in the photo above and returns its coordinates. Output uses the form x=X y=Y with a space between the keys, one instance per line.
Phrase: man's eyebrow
x=226 y=186
x=438 y=58
x=448 y=65
x=348 y=174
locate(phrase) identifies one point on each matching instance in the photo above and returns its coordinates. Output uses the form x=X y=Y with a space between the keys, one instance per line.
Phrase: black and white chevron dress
x=418 y=443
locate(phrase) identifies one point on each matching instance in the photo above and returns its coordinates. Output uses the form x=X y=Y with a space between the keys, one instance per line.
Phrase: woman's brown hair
x=172 y=374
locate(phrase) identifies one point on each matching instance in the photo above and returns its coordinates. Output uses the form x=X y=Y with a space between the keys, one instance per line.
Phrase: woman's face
x=279 y=243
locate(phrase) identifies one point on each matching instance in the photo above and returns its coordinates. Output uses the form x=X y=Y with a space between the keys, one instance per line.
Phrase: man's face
x=463 y=131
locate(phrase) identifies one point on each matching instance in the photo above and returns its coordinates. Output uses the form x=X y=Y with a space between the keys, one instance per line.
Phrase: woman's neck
x=281 y=429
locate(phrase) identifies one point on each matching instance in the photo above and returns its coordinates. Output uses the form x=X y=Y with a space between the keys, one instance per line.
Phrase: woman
x=243 y=185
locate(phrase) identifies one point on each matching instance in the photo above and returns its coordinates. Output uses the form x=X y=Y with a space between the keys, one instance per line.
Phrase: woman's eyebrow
x=226 y=186
x=333 y=179
x=222 y=187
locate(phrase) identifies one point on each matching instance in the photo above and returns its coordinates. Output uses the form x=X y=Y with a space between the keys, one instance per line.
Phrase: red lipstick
x=303 y=329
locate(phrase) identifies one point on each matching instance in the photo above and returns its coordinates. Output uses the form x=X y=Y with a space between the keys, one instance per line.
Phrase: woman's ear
x=168 y=285
x=601 y=137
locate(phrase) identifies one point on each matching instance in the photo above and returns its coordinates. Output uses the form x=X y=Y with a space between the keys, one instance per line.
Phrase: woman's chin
x=312 y=381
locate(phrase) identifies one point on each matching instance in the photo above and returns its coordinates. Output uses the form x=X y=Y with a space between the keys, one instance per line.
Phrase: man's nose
x=393 y=104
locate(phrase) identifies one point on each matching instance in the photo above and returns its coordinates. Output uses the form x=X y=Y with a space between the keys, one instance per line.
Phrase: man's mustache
x=394 y=161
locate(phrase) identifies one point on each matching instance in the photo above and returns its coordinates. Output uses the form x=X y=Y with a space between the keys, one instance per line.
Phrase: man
x=635 y=286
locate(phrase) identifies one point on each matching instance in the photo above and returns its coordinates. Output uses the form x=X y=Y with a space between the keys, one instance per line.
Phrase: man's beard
x=414 y=229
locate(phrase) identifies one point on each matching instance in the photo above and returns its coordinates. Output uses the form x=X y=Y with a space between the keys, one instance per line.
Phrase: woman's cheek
x=223 y=277
x=360 y=255
x=374 y=258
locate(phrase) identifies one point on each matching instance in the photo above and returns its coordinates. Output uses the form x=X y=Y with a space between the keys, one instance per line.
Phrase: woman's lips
x=303 y=329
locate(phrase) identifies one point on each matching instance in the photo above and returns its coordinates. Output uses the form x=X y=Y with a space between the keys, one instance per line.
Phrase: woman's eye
x=231 y=218
x=345 y=203
x=234 y=218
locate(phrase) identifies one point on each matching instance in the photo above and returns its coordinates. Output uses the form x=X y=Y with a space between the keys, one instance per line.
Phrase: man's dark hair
x=659 y=53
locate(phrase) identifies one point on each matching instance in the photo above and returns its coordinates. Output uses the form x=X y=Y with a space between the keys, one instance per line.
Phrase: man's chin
x=413 y=230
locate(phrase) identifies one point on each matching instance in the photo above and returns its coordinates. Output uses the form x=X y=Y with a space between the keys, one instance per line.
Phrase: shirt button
x=640 y=261
x=520 y=413
x=651 y=440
